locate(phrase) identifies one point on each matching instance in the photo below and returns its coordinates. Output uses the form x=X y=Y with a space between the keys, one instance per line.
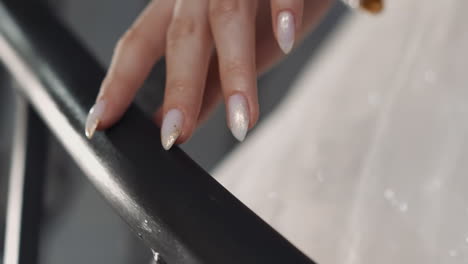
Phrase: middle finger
x=188 y=53
x=233 y=28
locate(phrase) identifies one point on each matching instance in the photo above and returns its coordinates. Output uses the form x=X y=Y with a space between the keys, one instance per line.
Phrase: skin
x=213 y=49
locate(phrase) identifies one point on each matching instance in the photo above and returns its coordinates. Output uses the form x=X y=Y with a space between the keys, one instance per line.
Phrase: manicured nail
x=238 y=116
x=94 y=117
x=171 y=128
x=286 y=31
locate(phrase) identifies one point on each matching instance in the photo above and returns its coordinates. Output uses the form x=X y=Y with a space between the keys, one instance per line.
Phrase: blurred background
x=364 y=125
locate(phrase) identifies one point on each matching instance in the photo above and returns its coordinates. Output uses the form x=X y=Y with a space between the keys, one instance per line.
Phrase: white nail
x=238 y=116
x=171 y=128
x=286 y=31
x=94 y=117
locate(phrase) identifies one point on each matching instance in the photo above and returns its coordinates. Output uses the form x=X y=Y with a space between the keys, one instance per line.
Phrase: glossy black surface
x=171 y=203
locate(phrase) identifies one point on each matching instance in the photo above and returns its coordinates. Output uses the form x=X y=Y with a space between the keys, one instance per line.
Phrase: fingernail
x=238 y=116
x=94 y=117
x=171 y=128
x=286 y=31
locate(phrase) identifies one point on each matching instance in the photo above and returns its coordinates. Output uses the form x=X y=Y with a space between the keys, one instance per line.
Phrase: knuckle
x=133 y=39
x=236 y=68
x=255 y=114
x=178 y=86
x=181 y=28
x=224 y=9
x=128 y=39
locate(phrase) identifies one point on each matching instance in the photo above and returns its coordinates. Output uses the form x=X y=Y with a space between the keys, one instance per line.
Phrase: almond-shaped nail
x=94 y=117
x=286 y=29
x=238 y=112
x=171 y=128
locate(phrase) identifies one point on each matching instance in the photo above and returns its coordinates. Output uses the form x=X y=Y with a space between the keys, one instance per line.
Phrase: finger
x=213 y=93
x=135 y=54
x=211 y=96
x=268 y=52
x=233 y=28
x=188 y=53
x=287 y=20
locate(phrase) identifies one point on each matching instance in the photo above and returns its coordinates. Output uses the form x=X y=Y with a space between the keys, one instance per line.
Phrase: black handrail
x=169 y=201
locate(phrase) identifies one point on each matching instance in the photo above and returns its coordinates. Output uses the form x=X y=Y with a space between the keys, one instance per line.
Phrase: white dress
x=366 y=160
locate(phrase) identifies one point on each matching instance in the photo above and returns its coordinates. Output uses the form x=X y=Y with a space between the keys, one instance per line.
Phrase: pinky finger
x=287 y=20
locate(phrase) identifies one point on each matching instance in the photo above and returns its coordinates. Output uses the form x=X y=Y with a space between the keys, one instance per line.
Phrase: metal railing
x=174 y=206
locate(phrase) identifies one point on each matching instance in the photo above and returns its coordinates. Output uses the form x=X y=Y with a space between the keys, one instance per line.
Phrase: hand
x=213 y=49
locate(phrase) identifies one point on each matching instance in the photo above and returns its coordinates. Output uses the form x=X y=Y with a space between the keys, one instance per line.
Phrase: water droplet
x=466 y=239
x=146 y=226
x=156 y=257
x=389 y=194
x=403 y=207
x=453 y=253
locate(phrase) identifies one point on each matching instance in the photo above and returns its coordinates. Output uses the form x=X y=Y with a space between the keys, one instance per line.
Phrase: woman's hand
x=214 y=49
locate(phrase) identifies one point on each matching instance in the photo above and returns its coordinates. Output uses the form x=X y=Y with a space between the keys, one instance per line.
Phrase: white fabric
x=366 y=161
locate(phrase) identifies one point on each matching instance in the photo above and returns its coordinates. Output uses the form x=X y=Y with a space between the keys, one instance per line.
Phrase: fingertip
x=253 y=105
x=254 y=115
x=287 y=22
x=95 y=118
x=158 y=117
x=115 y=96
x=176 y=127
x=171 y=128
x=112 y=112
x=190 y=125
x=242 y=114
x=286 y=30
